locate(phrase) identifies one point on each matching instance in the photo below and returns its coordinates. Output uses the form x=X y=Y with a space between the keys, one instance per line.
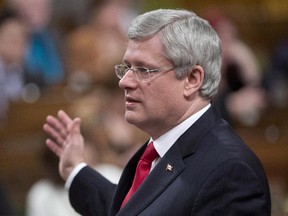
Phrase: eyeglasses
x=142 y=73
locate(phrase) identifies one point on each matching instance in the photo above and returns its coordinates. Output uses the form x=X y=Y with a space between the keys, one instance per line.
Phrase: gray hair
x=188 y=40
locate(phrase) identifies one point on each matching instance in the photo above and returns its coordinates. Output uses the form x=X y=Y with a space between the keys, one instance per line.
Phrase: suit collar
x=190 y=139
x=163 y=143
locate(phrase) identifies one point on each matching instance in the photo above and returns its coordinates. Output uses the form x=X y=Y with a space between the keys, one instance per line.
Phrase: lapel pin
x=169 y=167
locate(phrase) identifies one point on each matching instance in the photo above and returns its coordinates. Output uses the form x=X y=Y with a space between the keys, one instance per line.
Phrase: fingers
x=65 y=119
x=75 y=126
x=55 y=129
x=58 y=128
x=54 y=147
x=65 y=141
x=75 y=138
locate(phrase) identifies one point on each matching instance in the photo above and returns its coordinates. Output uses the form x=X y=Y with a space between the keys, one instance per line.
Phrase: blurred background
x=59 y=54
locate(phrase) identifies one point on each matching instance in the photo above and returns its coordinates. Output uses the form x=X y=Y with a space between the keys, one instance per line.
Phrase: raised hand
x=65 y=141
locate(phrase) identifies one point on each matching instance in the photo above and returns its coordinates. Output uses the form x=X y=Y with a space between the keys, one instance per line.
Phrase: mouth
x=129 y=101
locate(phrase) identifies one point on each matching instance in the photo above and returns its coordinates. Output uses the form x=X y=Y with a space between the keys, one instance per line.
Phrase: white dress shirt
x=164 y=142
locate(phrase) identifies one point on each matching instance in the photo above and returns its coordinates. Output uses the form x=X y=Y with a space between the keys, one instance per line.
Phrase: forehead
x=144 y=51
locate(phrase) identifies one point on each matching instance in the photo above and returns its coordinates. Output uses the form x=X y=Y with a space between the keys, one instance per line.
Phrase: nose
x=128 y=81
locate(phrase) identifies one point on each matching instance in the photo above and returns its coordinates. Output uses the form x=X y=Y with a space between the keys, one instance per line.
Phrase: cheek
x=165 y=100
x=163 y=96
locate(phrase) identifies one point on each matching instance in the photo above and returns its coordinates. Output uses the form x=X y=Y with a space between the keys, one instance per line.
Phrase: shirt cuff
x=72 y=175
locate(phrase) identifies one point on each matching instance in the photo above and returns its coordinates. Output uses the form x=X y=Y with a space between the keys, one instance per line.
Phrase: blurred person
x=43 y=60
x=241 y=96
x=69 y=18
x=47 y=196
x=96 y=46
x=6 y=207
x=193 y=163
x=276 y=76
x=13 y=42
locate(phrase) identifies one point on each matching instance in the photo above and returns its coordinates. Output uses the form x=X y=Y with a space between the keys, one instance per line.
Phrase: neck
x=191 y=110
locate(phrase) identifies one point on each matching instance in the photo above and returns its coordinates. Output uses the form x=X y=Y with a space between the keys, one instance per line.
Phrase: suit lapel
x=126 y=181
x=166 y=171
x=156 y=182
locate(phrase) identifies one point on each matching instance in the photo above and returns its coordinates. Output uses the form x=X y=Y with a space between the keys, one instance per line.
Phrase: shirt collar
x=164 y=142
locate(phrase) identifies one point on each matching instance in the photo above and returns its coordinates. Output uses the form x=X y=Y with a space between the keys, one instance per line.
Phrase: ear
x=193 y=81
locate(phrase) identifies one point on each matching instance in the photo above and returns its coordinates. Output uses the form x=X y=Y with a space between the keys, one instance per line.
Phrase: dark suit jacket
x=213 y=173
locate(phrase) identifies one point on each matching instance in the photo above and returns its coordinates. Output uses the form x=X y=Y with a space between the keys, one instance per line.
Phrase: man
x=170 y=72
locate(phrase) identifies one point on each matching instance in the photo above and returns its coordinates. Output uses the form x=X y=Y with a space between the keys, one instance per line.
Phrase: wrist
x=73 y=173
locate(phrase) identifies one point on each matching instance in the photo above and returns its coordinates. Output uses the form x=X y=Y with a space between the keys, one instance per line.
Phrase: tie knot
x=150 y=154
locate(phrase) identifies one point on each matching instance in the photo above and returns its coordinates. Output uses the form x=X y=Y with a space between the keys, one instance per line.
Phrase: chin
x=132 y=118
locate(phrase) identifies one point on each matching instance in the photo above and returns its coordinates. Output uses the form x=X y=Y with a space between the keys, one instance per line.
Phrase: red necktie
x=142 y=170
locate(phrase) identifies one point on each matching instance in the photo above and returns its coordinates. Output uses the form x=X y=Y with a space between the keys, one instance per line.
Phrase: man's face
x=154 y=105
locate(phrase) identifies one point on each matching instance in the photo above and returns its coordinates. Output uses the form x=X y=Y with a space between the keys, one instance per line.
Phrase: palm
x=67 y=142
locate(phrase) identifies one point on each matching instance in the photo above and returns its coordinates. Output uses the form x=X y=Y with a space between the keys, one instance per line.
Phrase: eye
x=126 y=66
x=142 y=69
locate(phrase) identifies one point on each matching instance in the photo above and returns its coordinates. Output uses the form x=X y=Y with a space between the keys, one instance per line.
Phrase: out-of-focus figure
x=43 y=60
x=6 y=207
x=276 y=76
x=47 y=196
x=95 y=47
x=241 y=96
x=13 y=42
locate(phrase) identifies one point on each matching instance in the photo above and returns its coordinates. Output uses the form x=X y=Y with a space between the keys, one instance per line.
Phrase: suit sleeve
x=233 y=189
x=91 y=193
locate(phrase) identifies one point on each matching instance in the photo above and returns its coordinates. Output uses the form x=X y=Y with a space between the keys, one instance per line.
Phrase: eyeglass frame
x=138 y=72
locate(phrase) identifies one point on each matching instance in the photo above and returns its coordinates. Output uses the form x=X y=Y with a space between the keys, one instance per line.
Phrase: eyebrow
x=139 y=64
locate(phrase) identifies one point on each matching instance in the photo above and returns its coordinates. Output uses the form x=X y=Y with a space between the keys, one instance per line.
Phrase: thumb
x=74 y=127
x=75 y=133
